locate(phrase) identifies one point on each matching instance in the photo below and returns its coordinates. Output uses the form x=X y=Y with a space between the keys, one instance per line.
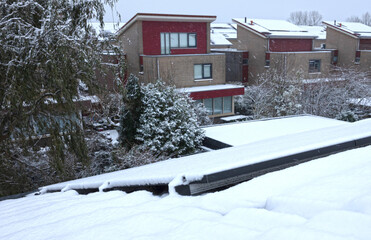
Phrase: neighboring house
x=320 y=32
x=353 y=43
x=223 y=35
x=281 y=45
x=107 y=77
x=224 y=40
x=176 y=49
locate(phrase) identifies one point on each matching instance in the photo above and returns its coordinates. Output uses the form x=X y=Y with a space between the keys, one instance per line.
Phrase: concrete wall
x=318 y=42
x=179 y=69
x=132 y=43
x=346 y=45
x=365 y=63
x=297 y=63
x=257 y=47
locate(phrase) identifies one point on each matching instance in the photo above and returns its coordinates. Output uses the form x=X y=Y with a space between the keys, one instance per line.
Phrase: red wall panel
x=217 y=93
x=152 y=30
x=290 y=45
x=365 y=44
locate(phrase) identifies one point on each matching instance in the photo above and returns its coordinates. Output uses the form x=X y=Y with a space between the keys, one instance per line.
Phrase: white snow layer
x=194 y=167
x=328 y=198
x=237 y=134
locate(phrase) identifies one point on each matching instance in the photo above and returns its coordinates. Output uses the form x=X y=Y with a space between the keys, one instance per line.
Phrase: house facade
x=353 y=43
x=176 y=49
x=281 y=45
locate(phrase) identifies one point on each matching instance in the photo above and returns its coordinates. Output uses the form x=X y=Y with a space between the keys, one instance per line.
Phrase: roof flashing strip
x=166 y=17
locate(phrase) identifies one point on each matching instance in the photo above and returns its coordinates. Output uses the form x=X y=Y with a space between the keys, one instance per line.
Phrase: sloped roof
x=194 y=167
x=273 y=28
x=166 y=17
x=353 y=29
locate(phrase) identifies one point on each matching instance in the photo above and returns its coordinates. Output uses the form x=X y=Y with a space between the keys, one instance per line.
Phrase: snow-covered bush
x=159 y=119
x=275 y=94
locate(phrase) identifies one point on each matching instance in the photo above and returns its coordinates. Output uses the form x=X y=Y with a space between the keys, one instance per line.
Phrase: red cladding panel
x=365 y=44
x=217 y=93
x=290 y=45
x=358 y=54
x=267 y=56
x=245 y=54
x=152 y=40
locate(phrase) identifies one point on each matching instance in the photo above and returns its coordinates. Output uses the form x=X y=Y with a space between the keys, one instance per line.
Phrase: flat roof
x=327 y=198
x=210 y=88
x=166 y=17
x=319 y=31
x=241 y=133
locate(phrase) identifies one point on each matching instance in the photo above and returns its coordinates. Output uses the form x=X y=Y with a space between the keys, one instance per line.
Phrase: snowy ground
x=328 y=198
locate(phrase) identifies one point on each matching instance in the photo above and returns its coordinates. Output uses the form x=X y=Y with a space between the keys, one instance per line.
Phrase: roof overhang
x=341 y=30
x=166 y=17
x=214 y=91
x=249 y=29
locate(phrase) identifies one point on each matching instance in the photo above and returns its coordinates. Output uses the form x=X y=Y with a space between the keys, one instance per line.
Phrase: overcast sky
x=227 y=9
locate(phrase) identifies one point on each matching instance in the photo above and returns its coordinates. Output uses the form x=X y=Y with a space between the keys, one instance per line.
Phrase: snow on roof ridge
x=354 y=28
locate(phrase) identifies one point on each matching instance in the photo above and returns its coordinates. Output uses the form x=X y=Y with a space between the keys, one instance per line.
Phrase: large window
x=314 y=66
x=203 y=71
x=177 y=40
x=215 y=106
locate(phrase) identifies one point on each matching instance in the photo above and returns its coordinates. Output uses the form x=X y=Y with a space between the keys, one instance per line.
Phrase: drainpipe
x=158 y=68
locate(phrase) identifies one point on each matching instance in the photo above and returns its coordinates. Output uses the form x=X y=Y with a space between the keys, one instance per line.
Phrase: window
x=314 y=66
x=177 y=40
x=192 y=40
x=245 y=61
x=203 y=71
x=165 y=43
x=174 y=39
x=227 y=104
x=219 y=105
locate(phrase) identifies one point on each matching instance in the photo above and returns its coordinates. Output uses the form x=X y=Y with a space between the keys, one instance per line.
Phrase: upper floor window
x=203 y=71
x=314 y=66
x=177 y=40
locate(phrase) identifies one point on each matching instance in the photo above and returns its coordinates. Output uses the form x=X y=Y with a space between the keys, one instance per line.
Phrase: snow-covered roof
x=166 y=17
x=274 y=28
x=210 y=88
x=319 y=31
x=327 y=198
x=366 y=102
x=109 y=27
x=194 y=167
x=241 y=133
x=217 y=39
x=351 y=28
x=225 y=29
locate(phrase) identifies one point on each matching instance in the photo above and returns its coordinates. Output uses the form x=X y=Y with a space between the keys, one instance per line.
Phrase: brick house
x=176 y=49
x=282 y=45
x=353 y=43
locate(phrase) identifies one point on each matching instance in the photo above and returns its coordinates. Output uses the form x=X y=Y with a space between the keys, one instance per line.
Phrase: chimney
x=245 y=19
x=251 y=22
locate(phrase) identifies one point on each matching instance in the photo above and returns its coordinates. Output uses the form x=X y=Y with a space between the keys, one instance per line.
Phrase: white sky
x=226 y=10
